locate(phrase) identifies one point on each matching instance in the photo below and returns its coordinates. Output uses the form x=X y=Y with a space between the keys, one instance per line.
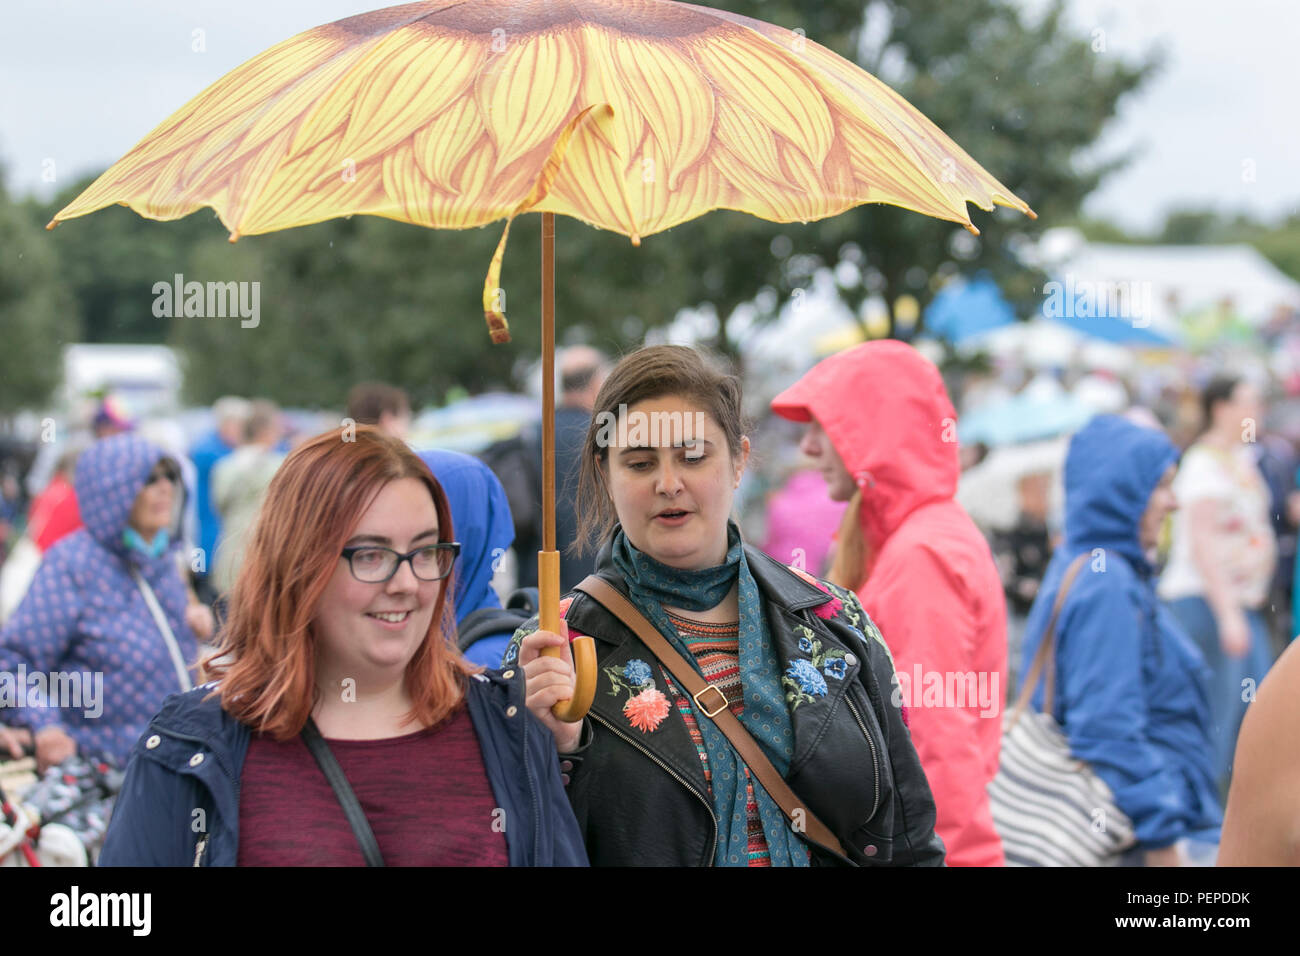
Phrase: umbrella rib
x=904 y=145
x=365 y=46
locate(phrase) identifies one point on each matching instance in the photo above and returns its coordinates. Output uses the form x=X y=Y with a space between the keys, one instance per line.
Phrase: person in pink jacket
x=883 y=433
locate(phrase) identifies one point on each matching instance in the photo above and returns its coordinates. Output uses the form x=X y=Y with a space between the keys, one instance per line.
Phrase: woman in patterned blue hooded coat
x=1130 y=689
x=85 y=614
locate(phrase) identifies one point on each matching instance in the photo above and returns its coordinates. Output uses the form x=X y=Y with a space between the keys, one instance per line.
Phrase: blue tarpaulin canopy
x=966 y=309
x=1118 y=312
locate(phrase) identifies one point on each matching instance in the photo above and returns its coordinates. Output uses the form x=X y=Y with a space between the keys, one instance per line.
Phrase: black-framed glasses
x=372 y=564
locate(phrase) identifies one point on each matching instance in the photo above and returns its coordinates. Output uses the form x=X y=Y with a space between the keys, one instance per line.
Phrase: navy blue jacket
x=191 y=758
x=1130 y=685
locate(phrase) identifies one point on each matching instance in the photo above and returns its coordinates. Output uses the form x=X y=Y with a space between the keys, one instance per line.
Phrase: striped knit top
x=716 y=648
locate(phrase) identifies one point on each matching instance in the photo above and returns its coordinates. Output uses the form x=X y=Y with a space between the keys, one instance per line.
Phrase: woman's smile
x=390 y=620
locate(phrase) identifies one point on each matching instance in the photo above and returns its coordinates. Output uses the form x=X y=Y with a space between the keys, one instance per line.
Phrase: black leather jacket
x=641 y=798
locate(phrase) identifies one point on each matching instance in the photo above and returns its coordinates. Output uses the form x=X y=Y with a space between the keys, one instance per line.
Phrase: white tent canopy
x=1177 y=279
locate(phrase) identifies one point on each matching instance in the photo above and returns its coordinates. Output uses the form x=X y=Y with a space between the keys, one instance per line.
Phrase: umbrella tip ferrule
x=970 y=226
x=52 y=223
x=234 y=236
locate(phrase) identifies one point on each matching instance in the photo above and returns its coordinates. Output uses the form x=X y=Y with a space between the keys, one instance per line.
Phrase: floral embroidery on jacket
x=830 y=608
x=805 y=680
x=530 y=627
x=846 y=604
x=647 y=707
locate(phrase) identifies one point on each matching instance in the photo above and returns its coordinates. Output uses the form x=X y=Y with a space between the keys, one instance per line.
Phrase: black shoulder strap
x=343 y=791
x=485 y=622
x=524 y=600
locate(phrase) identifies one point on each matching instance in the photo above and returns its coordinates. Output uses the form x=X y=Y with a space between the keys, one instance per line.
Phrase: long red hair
x=266 y=656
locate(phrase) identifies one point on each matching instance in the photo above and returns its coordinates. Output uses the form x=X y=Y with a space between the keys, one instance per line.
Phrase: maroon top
x=426 y=795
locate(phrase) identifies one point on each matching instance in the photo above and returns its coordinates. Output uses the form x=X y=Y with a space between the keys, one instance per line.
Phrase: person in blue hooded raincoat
x=86 y=620
x=1130 y=691
x=484 y=527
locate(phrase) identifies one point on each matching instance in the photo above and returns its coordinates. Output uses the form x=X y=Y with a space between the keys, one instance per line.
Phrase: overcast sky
x=81 y=81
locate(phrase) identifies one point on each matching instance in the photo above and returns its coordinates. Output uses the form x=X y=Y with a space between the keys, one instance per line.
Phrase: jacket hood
x=1111 y=470
x=110 y=474
x=886 y=410
x=480 y=514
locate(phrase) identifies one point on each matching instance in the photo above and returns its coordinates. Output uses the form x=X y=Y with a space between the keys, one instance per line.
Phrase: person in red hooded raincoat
x=883 y=432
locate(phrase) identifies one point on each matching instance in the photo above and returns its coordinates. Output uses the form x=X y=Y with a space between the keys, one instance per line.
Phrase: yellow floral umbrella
x=630 y=115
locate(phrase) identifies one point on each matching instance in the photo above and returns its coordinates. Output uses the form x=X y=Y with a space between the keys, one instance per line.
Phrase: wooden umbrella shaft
x=548 y=381
x=548 y=562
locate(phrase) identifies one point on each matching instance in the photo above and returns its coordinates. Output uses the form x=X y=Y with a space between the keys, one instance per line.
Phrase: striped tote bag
x=1049 y=807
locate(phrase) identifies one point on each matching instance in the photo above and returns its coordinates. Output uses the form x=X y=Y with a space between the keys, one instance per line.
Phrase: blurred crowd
x=1185 y=477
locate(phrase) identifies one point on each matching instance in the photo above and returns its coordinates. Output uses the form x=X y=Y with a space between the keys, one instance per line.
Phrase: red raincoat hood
x=886 y=410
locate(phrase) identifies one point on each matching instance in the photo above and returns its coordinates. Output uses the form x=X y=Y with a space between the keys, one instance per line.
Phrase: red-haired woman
x=341 y=727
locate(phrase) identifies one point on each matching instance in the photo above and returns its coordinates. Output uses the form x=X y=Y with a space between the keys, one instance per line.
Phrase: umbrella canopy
x=631 y=115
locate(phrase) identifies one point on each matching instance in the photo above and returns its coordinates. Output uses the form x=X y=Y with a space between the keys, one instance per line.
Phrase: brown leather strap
x=1046 y=655
x=711 y=703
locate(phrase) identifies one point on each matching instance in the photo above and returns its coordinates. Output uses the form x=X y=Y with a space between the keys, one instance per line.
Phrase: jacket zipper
x=875 y=758
x=202 y=845
x=857 y=715
x=537 y=813
x=713 y=847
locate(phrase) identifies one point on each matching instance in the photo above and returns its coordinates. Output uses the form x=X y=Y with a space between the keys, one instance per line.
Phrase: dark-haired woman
x=336 y=685
x=653 y=779
x=1222 y=556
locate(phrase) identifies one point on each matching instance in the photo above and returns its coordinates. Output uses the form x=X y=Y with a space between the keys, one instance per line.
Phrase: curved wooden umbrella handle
x=584 y=686
x=583 y=648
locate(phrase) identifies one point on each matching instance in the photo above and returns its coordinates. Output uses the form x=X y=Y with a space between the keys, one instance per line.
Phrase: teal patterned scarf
x=651 y=585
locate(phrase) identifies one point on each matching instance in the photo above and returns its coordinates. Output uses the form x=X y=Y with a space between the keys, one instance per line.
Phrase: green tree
x=110 y=262
x=37 y=315
x=1281 y=245
x=366 y=299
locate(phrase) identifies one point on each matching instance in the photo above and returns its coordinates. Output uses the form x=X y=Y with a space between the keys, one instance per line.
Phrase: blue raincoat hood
x=110 y=474
x=1111 y=470
x=480 y=515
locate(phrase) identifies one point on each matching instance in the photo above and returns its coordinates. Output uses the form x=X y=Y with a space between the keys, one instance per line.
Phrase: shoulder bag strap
x=329 y=766
x=159 y=618
x=712 y=703
x=1046 y=655
x=485 y=622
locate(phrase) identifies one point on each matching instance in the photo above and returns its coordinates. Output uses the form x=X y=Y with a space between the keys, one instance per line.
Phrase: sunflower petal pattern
x=630 y=115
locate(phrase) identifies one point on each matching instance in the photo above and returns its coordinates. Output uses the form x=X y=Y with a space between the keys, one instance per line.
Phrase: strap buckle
x=700 y=704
